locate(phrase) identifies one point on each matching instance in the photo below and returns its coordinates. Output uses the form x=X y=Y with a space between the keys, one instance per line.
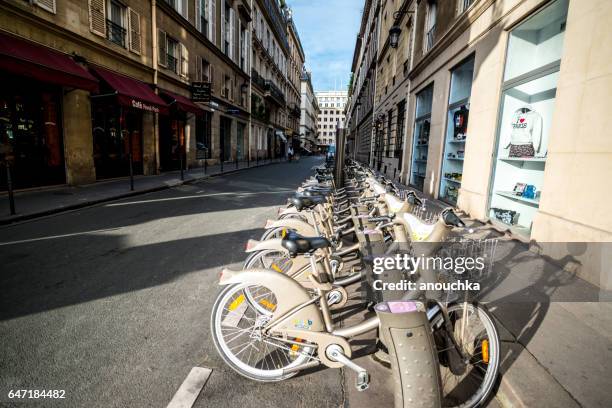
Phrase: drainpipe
x=154 y=56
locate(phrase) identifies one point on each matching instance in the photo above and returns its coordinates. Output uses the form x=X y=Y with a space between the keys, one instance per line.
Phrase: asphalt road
x=112 y=303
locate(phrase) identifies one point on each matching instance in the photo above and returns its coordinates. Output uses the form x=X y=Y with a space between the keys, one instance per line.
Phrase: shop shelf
x=509 y=194
x=452 y=180
x=454 y=158
x=456 y=141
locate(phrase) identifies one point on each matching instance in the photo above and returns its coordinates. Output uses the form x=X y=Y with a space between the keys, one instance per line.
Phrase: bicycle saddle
x=297 y=244
x=301 y=202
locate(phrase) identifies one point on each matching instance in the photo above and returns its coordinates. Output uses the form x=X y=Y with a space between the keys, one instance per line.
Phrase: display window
x=456 y=131
x=203 y=136
x=526 y=112
x=420 y=138
x=117 y=132
x=172 y=141
x=30 y=134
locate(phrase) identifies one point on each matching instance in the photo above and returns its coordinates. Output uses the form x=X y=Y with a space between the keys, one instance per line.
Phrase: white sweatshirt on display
x=526 y=128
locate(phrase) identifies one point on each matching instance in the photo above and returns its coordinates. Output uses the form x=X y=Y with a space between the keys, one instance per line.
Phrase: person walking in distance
x=290 y=153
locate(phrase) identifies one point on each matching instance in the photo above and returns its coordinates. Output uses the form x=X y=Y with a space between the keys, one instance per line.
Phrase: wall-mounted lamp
x=396 y=30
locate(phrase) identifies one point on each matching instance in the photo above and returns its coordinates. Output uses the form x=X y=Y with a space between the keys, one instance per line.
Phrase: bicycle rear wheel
x=236 y=328
x=475 y=333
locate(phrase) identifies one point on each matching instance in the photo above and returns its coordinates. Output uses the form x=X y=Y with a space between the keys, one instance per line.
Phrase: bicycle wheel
x=236 y=328
x=278 y=232
x=475 y=333
x=265 y=259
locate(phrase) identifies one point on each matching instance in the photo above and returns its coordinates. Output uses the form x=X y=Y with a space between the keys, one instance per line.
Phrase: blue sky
x=328 y=29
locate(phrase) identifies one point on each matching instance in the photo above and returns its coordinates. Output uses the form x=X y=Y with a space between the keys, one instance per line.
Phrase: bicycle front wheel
x=237 y=332
x=467 y=384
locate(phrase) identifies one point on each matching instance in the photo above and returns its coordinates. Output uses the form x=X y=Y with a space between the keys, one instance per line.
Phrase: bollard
x=405 y=331
x=181 y=164
x=131 y=160
x=221 y=160
x=236 y=162
x=205 y=166
x=9 y=186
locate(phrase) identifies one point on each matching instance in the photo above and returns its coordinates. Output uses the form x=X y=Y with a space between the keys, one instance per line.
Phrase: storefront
x=420 y=139
x=33 y=81
x=456 y=130
x=118 y=117
x=173 y=130
x=526 y=111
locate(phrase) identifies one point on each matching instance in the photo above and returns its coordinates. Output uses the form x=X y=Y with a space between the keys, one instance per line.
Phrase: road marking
x=189 y=390
x=246 y=193
x=74 y=234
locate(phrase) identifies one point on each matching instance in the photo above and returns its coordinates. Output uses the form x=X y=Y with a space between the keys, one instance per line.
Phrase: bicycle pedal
x=363 y=381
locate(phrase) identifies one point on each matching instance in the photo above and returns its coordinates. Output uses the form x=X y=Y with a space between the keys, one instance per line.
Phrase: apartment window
x=173 y=54
x=430 y=25
x=203 y=73
x=179 y=5
x=115 y=23
x=243 y=47
x=227 y=29
x=227 y=87
x=389 y=133
x=463 y=5
x=400 y=131
x=202 y=16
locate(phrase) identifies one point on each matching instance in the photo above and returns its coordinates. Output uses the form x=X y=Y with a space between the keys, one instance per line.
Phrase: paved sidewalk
x=45 y=201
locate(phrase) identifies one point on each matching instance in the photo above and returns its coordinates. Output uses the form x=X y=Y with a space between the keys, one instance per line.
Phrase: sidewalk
x=556 y=330
x=46 y=201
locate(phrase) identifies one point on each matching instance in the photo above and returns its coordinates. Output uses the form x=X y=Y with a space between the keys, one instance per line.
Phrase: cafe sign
x=200 y=91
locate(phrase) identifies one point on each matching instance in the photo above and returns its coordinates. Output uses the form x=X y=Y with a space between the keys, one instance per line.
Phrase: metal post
x=9 y=184
x=221 y=160
x=181 y=163
x=236 y=160
x=131 y=171
x=205 y=165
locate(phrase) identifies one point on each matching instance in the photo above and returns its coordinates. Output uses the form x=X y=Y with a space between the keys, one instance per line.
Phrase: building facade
x=309 y=114
x=506 y=106
x=269 y=78
x=116 y=81
x=294 y=79
x=360 y=104
x=331 y=114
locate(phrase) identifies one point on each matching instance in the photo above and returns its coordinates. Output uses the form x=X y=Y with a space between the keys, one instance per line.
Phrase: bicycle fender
x=274 y=243
x=302 y=228
x=288 y=293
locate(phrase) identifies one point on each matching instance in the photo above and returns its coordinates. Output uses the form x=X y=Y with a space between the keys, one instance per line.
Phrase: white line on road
x=74 y=234
x=189 y=390
x=248 y=193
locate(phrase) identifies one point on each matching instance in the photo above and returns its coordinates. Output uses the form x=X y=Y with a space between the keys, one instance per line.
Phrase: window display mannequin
x=460 y=120
x=526 y=134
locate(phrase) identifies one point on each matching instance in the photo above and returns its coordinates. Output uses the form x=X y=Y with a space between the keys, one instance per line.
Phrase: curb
x=26 y=217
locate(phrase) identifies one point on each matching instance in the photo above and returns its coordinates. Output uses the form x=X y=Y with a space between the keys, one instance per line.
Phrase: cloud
x=328 y=30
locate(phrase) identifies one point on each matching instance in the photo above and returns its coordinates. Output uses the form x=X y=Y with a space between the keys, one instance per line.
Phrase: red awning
x=181 y=102
x=43 y=64
x=132 y=92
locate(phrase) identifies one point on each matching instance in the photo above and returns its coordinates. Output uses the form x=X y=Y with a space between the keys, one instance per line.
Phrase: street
x=111 y=303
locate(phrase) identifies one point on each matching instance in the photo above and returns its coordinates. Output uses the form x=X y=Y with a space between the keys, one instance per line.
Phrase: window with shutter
x=184 y=61
x=184 y=9
x=231 y=33
x=223 y=24
x=198 y=13
x=212 y=31
x=162 y=46
x=48 y=5
x=97 y=17
x=134 y=31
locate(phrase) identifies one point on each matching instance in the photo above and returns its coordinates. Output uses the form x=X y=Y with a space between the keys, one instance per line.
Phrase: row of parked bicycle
x=278 y=316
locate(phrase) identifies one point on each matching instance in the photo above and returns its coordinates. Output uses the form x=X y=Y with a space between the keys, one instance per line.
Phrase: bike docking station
x=405 y=331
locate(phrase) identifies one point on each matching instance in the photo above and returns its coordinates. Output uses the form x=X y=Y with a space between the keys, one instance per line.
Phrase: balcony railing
x=172 y=63
x=429 y=39
x=295 y=110
x=115 y=33
x=274 y=92
x=464 y=5
x=258 y=79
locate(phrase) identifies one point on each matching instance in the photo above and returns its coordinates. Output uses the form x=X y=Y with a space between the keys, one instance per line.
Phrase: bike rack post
x=405 y=331
x=9 y=185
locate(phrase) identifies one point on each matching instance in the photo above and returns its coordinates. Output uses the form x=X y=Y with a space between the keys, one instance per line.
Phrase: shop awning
x=132 y=92
x=281 y=135
x=182 y=102
x=43 y=64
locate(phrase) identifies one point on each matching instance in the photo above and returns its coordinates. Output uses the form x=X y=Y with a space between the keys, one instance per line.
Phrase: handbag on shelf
x=522 y=150
x=508 y=217
x=519 y=189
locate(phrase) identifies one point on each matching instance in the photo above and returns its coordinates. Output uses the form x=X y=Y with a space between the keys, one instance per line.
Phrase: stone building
x=331 y=114
x=106 y=88
x=505 y=115
x=269 y=82
x=309 y=114
x=294 y=78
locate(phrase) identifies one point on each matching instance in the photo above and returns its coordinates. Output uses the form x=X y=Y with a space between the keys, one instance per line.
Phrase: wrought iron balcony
x=274 y=92
x=172 y=63
x=115 y=33
x=257 y=79
x=295 y=110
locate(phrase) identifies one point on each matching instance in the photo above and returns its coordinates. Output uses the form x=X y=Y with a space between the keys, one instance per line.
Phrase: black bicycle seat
x=301 y=202
x=297 y=244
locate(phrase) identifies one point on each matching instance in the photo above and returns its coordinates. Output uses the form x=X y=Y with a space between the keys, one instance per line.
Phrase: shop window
x=456 y=131
x=203 y=136
x=420 y=144
x=526 y=112
x=400 y=131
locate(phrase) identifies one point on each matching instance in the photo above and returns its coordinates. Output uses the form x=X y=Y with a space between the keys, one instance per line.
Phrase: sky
x=328 y=30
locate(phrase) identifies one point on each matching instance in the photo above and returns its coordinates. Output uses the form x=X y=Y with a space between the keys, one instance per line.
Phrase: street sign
x=200 y=91
x=233 y=111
